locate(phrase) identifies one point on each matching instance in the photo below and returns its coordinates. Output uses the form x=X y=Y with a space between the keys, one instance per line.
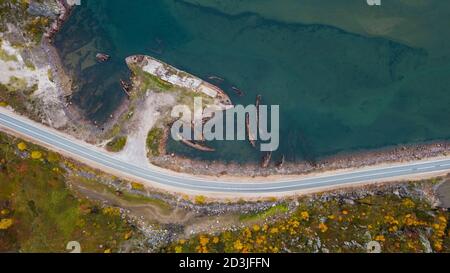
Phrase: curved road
x=180 y=181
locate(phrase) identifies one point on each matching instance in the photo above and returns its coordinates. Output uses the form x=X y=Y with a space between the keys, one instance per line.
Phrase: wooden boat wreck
x=251 y=138
x=266 y=159
x=257 y=104
x=280 y=163
x=197 y=146
x=216 y=78
x=237 y=91
x=126 y=87
x=102 y=57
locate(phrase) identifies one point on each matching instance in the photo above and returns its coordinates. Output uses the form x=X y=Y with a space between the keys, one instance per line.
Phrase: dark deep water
x=337 y=91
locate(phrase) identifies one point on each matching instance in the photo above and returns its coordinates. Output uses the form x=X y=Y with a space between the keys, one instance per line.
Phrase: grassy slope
x=44 y=213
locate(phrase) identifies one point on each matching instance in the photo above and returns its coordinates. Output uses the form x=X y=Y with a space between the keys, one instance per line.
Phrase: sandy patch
x=142 y=122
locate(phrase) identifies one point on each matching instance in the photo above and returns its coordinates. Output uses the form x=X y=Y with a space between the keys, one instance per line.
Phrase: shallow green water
x=338 y=91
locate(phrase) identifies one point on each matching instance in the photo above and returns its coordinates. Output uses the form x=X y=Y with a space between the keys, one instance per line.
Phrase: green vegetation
x=4 y=56
x=36 y=28
x=273 y=211
x=29 y=64
x=125 y=197
x=17 y=84
x=148 y=81
x=15 y=12
x=17 y=95
x=38 y=213
x=142 y=200
x=154 y=138
x=117 y=144
x=399 y=224
x=15 y=99
x=151 y=81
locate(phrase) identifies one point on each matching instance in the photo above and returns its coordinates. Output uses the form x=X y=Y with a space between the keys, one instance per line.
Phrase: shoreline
x=221 y=196
x=342 y=160
x=78 y=125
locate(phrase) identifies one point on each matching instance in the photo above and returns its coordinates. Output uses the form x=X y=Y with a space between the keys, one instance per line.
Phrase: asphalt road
x=183 y=182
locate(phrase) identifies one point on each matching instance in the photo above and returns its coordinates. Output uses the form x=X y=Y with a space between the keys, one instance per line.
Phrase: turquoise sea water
x=338 y=91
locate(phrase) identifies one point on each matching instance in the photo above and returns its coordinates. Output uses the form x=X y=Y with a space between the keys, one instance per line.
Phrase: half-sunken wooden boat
x=251 y=138
x=266 y=159
x=102 y=57
x=197 y=146
x=126 y=87
x=237 y=91
x=280 y=163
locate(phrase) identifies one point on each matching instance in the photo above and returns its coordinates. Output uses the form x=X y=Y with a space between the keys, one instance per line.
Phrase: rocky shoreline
x=401 y=153
x=78 y=124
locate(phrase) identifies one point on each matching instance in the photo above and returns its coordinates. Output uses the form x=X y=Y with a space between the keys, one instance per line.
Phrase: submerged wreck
x=197 y=146
x=281 y=162
x=216 y=78
x=237 y=91
x=126 y=87
x=251 y=138
x=102 y=57
x=266 y=159
x=257 y=104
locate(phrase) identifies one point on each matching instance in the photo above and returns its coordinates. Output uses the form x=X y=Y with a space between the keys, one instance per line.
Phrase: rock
x=43 y=9
x=349 y=201
x=426 y=244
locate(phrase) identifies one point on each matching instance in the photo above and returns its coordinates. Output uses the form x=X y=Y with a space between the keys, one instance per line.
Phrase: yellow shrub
x=238 y=245
x=137 y=186
x=178 y=249
x=22 y=146
x=128 y=235
x=6 y=223
x=111 y=211
x=323 y=228
x=36 y=155
x=200 y=199
x=203 y=240
x=305 y=215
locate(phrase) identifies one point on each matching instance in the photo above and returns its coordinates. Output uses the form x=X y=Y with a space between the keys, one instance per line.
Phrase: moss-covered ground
x=39 y=213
